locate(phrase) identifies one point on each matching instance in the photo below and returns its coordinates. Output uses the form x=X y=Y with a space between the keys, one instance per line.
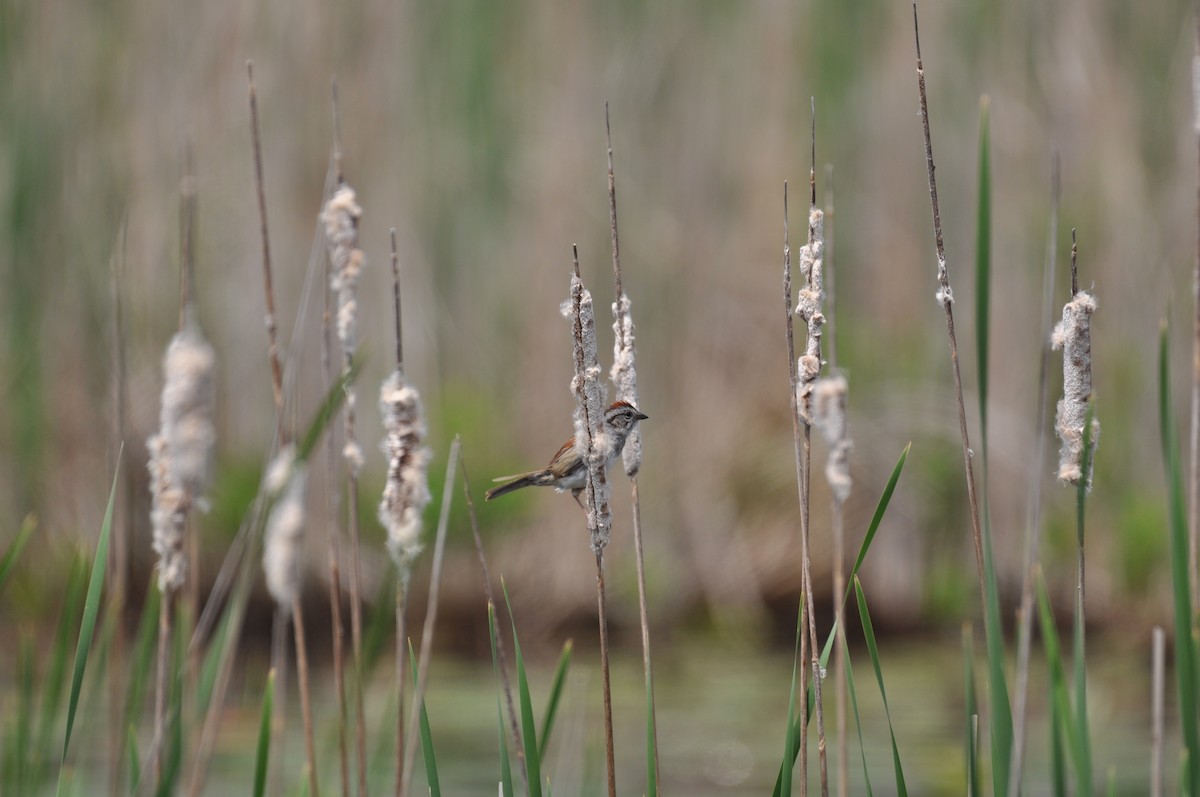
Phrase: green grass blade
x=328 y=409
x=869 y=633
x=91 y=608
x=1058 y=683
x=427 y=751
x=14 y=550
x=983 y=262
x=853 y=693
x=1058 y=763
x=133 y=760
x=506 y=781
x=263 y=751
x=1185 y=645
x=55 y=681
x=876 y=520
x=210 y=668
x=17 y=753
x=533 y=761
x=556 y=690
x=971 y=708
x=143 y=654
x=790 y=735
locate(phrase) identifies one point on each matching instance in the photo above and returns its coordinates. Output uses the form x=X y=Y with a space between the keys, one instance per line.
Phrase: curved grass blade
x=971 y=734
x=533 y=760
x=56 y=675
x=983 y=261
x=869 y=632
x=1058 y=688
x=556 y=689
x=1185 y=645
x=790 y=735
x=91 y=608
x=1058 y=764
x=263 y=751
x=427 y=752
x=876 y=520
x=14 y=550
x=327 y=410
x=506 y=782
x=133 y=759
x=862 y=748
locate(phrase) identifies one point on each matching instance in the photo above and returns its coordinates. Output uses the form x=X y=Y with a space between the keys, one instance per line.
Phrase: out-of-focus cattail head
x=829 y=411
x=341 y=215
x=406 y=491
x=284 y=541
x=809 y=300
x=624 y=376
x=589 y=410
x=1073 y=335
x=181 y=451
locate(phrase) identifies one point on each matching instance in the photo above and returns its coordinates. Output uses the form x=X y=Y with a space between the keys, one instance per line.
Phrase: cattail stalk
x=809 y=306
x=346 y=259
x=1157 y=704
x=589 y=425
x=405 y=495
x=1194 y=481
x=624 y=377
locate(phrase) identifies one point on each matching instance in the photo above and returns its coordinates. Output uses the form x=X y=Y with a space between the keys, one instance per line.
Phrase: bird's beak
x=641 y=416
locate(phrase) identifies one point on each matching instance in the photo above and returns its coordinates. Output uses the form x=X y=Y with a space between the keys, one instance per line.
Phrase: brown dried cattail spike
x=589 y=409
x=808 y=306
x=406 y=491
x=829 y=412
x=624 y=376
x=181 y=451
x=1074 y=337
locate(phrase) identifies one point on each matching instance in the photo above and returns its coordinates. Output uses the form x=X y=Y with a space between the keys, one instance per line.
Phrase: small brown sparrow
x=567 y=470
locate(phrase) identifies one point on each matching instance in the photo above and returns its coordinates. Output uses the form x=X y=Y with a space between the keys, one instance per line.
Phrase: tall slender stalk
x=439 y=549
x=1157 y=702
x=588 y=423
x=122 y=531
x=497 y=638
x=794 y=384
x=1000 y=715
x=624 y=375
x=1033 y=518
x=284 y=437
x=341 y=214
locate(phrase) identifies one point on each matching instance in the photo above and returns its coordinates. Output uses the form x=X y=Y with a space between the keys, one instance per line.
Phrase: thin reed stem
x=435 y=582
x=401 y=678
x=279 y=663
x=1033 y=518
x=310 y=748
x=334 y=556
x=794 y=383
x=838 y=518
x=1194 y=481
x=122 y=526
x=498 y=639
x=946 y=299
x=348 y=416
x=602 y=613
x=632 y=464
x=159 y=748
x=268 y=290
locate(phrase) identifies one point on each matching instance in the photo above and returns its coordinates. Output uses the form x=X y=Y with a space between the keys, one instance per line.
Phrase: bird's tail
x=528 y=480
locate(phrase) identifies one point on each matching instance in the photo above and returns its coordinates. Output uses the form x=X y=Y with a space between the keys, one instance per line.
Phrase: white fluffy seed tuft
x=589 y=413
x=809 y=301
x=284 y=542
x=340 y=216
x=829 y=410
x=1073 y=336
x=406 y=490
x=624 y=376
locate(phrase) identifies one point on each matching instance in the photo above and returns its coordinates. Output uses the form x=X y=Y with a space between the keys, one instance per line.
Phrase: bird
x=567 y=470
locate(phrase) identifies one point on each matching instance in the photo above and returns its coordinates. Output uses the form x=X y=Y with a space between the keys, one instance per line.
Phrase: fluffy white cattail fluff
x=284 y=540
x=808 y=306
x=1073 y=335
x=406 y=491
x=624 y=376
x=181 y=451
x=829 y=411
x=589 y=412
x=341 y=217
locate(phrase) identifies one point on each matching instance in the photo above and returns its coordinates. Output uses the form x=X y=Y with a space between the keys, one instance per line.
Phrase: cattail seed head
x=284 y=540
x=624 y=376
x=589 y=412
x=181 y=452
x=406 y=490
x=809 y=301
x=1073 y=336
x=341 y=215
x=829 y=411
